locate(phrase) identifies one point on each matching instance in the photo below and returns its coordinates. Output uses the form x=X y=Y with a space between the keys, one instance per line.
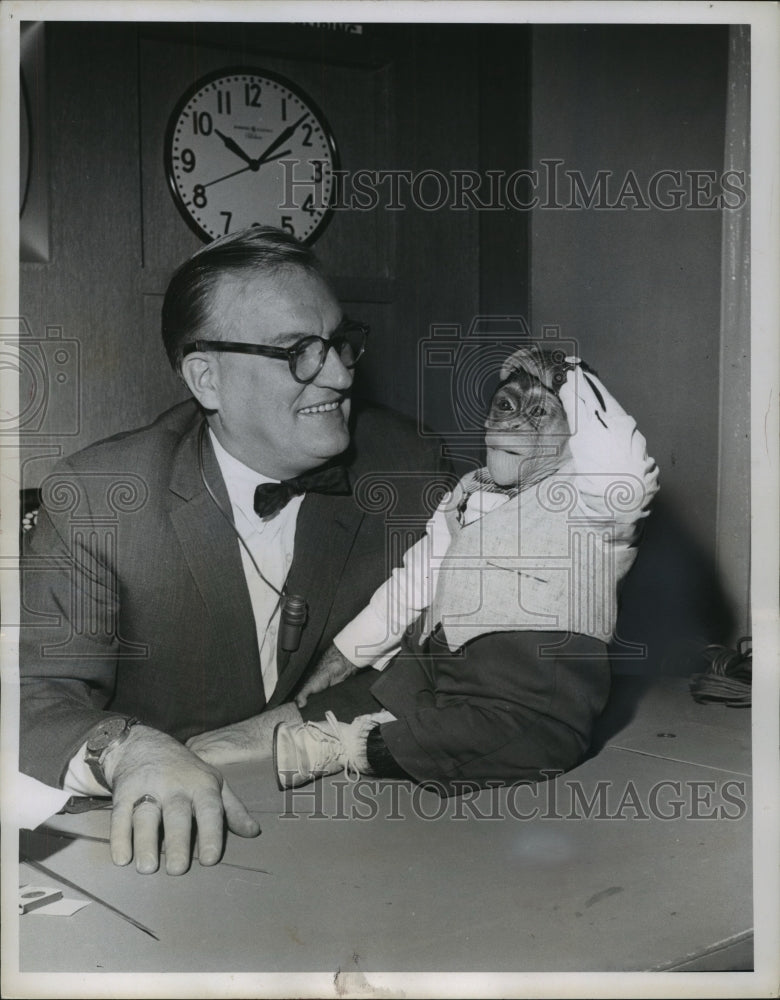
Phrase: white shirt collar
x=240 y=480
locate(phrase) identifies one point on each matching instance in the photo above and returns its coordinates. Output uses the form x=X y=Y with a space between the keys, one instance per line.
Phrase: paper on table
x=29 y=802
x=62 y=908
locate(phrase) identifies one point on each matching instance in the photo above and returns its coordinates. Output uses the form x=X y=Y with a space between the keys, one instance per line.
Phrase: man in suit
x=156 y=580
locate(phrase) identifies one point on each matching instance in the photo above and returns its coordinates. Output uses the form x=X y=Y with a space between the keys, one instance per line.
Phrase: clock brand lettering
x=256 y=133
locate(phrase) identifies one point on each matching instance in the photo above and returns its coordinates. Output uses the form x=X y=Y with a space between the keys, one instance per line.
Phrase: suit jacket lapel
x=324 y=535
x=210 y=548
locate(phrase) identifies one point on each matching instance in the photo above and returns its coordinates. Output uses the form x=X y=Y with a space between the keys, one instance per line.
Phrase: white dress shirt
x=271 y=543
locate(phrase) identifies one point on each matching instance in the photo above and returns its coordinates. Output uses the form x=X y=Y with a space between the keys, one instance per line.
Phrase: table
x=638 y=860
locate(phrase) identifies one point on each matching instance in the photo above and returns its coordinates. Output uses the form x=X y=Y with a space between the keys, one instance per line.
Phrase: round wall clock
x=247 y=147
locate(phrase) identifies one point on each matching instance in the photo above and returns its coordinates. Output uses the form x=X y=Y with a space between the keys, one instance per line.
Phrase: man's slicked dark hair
x=186 y=312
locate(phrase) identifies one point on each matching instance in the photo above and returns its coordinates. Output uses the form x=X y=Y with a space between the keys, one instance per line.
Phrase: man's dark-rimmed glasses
x=306 y=357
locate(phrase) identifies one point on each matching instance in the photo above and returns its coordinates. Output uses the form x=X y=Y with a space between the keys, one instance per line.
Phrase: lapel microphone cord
x=294 y=611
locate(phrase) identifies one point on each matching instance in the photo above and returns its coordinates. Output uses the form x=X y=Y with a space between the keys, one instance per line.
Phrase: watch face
x=107 y=732
x=247 y=147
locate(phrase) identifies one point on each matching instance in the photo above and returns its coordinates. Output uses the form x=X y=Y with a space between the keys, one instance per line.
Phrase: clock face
x=247 y=147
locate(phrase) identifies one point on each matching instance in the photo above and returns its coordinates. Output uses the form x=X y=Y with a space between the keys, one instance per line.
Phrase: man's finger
x=146 y=837
x=207 y=806
x=177 y=820
x=121 y=837
x=238 y=819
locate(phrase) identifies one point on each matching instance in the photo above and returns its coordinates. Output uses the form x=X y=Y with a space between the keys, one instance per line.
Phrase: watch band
x=103 y=738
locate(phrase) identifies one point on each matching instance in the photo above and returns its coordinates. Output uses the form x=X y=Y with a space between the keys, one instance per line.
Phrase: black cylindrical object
x=293 y=618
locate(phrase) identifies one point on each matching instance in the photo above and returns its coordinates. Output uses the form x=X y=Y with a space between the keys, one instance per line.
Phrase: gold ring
x=147 y=798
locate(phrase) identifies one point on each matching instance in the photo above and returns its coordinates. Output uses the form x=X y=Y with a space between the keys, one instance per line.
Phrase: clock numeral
x=223 y=102
x=308 y=130
x=284 y=109
x=318 y=165
x=202 y=123
x=228 y=217
x=199 y=198
x=287 y=224
x=252 y=95
x=308 y=205
x=187 y=161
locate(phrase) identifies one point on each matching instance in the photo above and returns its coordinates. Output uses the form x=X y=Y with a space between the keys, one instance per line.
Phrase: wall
x=639 y=288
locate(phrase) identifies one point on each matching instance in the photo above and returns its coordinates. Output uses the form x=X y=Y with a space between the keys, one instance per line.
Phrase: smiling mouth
x=308 y=411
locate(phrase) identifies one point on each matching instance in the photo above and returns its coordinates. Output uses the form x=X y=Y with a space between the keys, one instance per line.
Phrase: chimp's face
x=526 y=432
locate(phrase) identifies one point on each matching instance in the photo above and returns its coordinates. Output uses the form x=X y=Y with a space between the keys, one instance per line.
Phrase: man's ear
x=199 y=370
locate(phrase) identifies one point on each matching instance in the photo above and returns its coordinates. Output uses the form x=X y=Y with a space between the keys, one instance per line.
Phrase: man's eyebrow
x=286 y=339
x=293 y=336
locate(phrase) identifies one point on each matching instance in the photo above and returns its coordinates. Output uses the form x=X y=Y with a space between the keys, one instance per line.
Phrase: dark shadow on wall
x=672 y=602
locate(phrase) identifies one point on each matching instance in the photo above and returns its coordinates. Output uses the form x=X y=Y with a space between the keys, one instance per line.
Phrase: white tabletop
x=584 y=873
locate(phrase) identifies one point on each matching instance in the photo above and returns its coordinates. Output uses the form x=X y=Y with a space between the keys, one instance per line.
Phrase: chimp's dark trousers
x=506 y=707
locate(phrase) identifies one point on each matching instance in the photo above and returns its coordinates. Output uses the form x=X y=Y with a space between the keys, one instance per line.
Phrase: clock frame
x=216 y=141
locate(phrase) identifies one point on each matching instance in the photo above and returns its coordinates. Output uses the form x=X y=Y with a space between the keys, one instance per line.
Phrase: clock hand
x=243 y=170
x=270 y=159
x=234 y=147
x=281 y=138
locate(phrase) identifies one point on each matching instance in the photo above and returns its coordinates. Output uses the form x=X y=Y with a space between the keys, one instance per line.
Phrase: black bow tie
x=271 y=497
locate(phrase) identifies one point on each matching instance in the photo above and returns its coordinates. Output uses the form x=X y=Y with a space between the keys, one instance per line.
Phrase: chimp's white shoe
x=304 y=751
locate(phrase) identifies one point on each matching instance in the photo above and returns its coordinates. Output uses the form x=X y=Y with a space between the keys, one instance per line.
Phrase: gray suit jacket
x=134 y=597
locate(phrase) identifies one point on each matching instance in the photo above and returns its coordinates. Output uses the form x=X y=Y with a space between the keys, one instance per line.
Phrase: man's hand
x=156 y=781
x=250 y=740
x=332 y=668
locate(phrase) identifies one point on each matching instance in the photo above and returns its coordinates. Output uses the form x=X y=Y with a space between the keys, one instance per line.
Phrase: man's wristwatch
x=103 y=738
